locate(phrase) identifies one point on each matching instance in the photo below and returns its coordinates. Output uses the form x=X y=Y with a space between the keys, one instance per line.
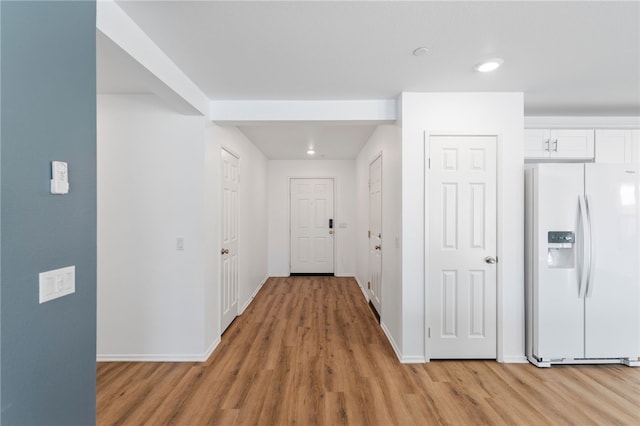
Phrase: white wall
x=252 y=206
x=385 y=140
x=159 y=179
x=150 y=186
x=344 y=173
x=490 y=113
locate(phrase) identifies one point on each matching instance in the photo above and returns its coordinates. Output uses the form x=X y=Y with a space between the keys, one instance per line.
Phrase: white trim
x=334 y=179
x=220 y=233
x=253 y=295
x=518 y=359
x=345 y=275
x=160 y=357
x=362 y=289
x=150 y=358
x=232 y=152
x=581 y=122
x=394 y=346
x=279 y=275
x=427 y=134
x=212 y=348
x=375 y=158
x=415 y=359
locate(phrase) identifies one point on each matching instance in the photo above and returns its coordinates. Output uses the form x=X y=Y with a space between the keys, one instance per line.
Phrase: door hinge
x=369 y=233
x=429 y=333
x=429 y=163
x=369 y=285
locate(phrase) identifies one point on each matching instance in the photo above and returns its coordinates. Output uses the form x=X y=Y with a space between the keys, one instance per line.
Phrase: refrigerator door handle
x=592 y=254
x=586 y=247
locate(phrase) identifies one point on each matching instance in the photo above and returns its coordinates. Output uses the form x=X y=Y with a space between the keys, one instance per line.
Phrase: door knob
x=331 y=232
x=224 y=251
x=377 y=247
x=490 y=260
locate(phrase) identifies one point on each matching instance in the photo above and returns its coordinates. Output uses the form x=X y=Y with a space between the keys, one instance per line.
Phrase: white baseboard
x=151 y=358
x=212 y=348
x=281 y=275
x=416 y=359
x=345 y=275
x=364 y=292
x=253 y=295
x=518 y=359
x=403 y=359
x=159 y=357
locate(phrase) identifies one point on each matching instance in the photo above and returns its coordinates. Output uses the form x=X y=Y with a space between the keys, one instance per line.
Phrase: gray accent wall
x=47 y=112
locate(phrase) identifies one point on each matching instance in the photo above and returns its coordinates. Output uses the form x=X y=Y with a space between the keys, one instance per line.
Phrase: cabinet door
x=613 y=147
x=536 y=143
x=574 y=144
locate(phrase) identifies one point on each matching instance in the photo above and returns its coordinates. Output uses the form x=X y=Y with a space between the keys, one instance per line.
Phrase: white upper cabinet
x=559 y=144
x=618 y=146
x=613 y=146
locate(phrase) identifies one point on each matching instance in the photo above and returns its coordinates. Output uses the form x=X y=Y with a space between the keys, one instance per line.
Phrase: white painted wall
x=252 y=207
x=499 y=113
x=150 y=187
x=344 y=173
x=159 y=179
x=386 y=139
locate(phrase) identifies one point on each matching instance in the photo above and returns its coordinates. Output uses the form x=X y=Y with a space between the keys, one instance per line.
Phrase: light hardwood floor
x=308 y=351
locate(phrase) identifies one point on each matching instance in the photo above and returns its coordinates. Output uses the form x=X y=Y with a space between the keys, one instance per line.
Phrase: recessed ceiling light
x=310 y=151
x=489 y=65
x=420 y=51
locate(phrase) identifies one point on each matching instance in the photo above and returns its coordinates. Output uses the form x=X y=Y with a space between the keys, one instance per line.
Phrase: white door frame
x=499 y=229
x=220 y=310
x=335 y=222
x=369 y=291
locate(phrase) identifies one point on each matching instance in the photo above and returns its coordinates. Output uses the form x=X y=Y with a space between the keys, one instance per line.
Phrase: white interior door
x=375 y=233
x=229 y=252
x=462 y=245
x=311 y=231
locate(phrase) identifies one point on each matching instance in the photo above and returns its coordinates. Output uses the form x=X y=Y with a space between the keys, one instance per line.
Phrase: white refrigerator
x=582 y=266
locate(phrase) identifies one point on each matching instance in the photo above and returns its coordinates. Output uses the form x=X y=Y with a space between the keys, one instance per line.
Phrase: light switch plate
x=57 y=283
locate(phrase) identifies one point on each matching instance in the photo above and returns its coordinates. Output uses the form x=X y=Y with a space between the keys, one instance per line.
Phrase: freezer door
x=612 y=304
x=558 y=311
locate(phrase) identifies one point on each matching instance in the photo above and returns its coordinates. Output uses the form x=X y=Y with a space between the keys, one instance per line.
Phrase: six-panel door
x=375 y=233
x=462 y=246
x=229 y=251
x=311 y=233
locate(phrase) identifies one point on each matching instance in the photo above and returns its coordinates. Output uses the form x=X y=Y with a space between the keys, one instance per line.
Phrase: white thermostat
x=59 y=177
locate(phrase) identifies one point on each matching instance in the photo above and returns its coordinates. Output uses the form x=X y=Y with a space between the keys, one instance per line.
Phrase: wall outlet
x=180 y=244
x=57 y=283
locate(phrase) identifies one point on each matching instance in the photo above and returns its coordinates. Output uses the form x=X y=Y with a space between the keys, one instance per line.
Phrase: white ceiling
x=569 y=58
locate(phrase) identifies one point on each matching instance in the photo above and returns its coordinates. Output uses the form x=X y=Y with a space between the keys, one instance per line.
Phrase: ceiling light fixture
x=420 y=51
x=489 y=65
x=310 y=151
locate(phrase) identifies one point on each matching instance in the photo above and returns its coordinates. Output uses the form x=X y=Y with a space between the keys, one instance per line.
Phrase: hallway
x=308 y=351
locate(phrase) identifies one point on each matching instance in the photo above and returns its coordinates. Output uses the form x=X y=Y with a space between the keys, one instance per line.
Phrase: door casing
x=375 y=297
x=233 y=308
x=335 y=208
x=499 y=231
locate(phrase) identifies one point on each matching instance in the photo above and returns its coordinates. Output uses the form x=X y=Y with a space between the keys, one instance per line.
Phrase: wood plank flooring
x=308 y=351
